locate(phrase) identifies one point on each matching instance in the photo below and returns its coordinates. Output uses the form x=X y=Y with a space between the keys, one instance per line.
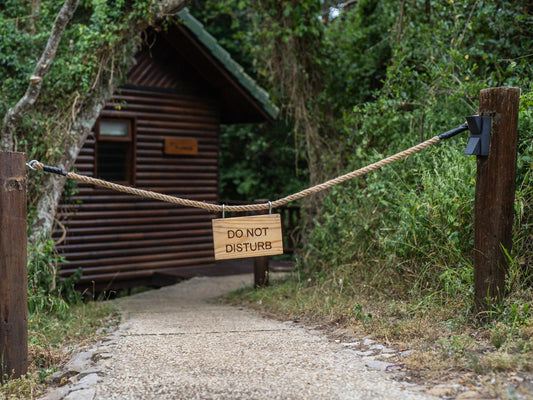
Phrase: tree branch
x=171 y=7
x=102 y=90
x=16 y=113
x=348 y=3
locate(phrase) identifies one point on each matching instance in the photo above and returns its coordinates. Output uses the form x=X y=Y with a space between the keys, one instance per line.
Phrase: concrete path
x=179 y=343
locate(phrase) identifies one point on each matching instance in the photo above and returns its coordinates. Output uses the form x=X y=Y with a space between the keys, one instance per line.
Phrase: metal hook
x=223 y=211
x=30 y=164
x=269 y=207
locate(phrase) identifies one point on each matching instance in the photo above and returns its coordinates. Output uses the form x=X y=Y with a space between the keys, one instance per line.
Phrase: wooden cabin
x=160 y=132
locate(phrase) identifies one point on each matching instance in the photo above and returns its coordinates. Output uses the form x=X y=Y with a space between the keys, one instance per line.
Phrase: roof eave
x=258 y=94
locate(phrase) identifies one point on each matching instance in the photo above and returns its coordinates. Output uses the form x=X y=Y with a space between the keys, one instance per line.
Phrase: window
x=115 y=128
x=115 y=150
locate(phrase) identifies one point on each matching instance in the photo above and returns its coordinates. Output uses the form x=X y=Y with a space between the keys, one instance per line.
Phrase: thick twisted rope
x=248 y=207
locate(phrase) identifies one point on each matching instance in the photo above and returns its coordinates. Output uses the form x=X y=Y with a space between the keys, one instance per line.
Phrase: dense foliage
x=82 y=59
x=391 y=74
x=273 y=40
x=415 y=218
x=95 y=50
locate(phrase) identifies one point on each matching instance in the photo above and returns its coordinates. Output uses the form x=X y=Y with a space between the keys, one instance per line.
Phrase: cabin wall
x=117 y=238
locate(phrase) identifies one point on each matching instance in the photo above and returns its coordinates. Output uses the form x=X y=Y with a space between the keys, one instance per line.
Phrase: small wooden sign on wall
x=240 y=237
x=187 y=147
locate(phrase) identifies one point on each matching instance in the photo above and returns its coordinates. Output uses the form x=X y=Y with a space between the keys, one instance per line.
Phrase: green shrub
x=47 y=293
x=411 y=223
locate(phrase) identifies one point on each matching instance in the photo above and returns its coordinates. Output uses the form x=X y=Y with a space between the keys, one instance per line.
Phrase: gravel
x=179 y=343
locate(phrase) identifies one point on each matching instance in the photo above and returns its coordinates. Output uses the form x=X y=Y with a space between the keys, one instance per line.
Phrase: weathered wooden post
x=495 y=191
x=13 y=269
x=261 y=263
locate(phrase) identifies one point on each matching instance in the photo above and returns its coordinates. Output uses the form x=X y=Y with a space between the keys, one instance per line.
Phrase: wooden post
x=261 y=263
x=495 y=191
x=13 y=269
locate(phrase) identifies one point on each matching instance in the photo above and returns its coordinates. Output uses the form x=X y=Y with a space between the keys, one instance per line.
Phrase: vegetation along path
x=180 y=343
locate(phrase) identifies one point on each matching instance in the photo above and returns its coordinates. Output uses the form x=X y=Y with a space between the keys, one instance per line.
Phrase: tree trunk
x=53 y=188
x=15 y=114
x=48 y=201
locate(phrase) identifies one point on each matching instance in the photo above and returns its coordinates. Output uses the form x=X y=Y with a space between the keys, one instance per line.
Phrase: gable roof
x=224 y=58
x=186 y=49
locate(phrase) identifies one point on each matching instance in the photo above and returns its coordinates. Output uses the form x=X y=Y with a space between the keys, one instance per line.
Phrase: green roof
x=234 y=68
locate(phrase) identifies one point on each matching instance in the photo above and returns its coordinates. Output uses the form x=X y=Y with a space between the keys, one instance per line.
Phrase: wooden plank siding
x=115 y=237
x=182 y=86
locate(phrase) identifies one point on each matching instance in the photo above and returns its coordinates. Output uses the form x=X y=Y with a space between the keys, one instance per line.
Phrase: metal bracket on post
x=479 y=142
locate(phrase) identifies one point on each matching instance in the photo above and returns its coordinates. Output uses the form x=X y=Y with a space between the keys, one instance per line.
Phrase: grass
x=51 y=340
x=447 y=341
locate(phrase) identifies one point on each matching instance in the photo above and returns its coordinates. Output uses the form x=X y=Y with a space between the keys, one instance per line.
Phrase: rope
x=249 y=207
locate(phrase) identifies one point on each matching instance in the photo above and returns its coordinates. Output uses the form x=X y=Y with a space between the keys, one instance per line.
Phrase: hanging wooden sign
x=240 y=237
x=176 y=146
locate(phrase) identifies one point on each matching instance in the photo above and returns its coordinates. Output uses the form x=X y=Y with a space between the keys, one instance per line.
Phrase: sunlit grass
x=443 y=334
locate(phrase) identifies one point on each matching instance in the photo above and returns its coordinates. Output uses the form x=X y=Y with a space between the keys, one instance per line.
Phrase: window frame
x=131 y=156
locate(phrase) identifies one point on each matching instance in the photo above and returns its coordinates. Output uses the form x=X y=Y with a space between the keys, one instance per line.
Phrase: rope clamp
x=453 y=132
x=269 y=207
x=480 y=129
x=223 y=211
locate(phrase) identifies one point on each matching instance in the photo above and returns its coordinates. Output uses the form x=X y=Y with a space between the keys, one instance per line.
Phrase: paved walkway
x=179 y=343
